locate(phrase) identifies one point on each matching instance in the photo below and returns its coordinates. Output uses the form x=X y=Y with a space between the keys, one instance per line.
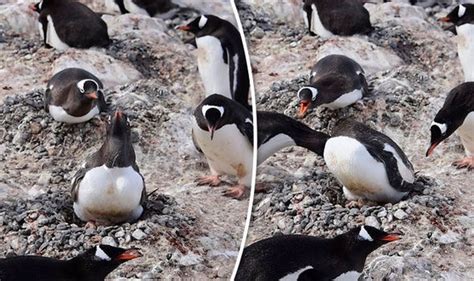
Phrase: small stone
x=372 y=221
x=107 y=240
x=138 y=234
x=258 y=33
x=400 y=214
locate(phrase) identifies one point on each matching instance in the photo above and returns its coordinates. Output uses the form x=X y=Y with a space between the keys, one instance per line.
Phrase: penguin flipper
x=196 y=145
x=76 y=180
x=102 y=103
x=47 y=99
x=144 y=196
x=365 y=85
x=247 y=129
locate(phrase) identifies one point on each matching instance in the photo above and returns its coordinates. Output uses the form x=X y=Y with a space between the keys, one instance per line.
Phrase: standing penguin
x=67 y=23
x=344 y=17
x=302 y=257
x=92 y=265
x=161 y=8
x=223 y=130
x=336 y=81
x=463 y=19
x=74 y=95
x=109 y=189
x=221 y=58
x=456 y=115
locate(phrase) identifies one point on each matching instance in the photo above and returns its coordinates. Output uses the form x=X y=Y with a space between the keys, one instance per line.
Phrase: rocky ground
x=150 y=73
x=411 y=64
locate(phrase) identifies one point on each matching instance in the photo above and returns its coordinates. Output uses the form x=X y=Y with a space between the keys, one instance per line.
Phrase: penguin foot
x=467 y=162
x=90 y=224
x=236 y=192
x=209 y=180
x=359 y=203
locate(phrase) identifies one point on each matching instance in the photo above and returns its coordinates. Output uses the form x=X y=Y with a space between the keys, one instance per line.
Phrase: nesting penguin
x=74 y=95
x=336 y=81
x=223 y=131
x=109 y=189
x=462 y=17
x=456 y=115
x=67 y=23
x=92 y=265
x=221 y=58
x=160 y=8
x=327 y=18
x=302 y=257
x=369 y=164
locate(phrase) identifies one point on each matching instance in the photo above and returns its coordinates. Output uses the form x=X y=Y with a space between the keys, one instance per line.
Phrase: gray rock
x=139 y=234
x=400 y=214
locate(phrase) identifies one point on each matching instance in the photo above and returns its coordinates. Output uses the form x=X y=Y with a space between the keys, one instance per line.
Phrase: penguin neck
x=117 y=152
x=89 y=269
x=354 y=250
x=309 y=139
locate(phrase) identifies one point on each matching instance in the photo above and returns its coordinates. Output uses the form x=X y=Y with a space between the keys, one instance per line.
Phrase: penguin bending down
x=92 y=265
x=463 y=19
x=109 y=189
x=456 y=115
x=221 y=58
x=327 y=18
x=67 y=23
x=302 y=257
x=223 y=130
x=74 y=95
x=161 y=8
x=336 y=81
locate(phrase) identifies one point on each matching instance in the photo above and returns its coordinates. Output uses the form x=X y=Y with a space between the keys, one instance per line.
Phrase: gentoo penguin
x=160 y=8
x=67 y=23
x=344 y=17
x=368 y=163
x=457 y=114
x=93 y=265
x=223 y=130
x=109 y=189
x=221 y=58
x=463 y=19
x=336 y=81
x=302 y=257
x=74 y=95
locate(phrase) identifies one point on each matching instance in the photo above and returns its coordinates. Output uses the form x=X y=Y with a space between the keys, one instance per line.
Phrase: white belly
x=52 y=37
x=214 y=72
x=466 y=133
x=40 y=27
x=345 y=100
x=361 y=175
x=317 y=26
x=60 y=115
x=133 y=8
x=465 y=40
x=348 y=276
x=229 y=152
x=109 y=194
x=273 y=145
x=293 y=276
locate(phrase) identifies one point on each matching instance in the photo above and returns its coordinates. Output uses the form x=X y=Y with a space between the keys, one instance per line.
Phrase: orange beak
x=92 y=95
x=445 y=19
x=118 y=114
x=129 y=255
x=184 y=28
x=431 y=149
x=304 y=105
x=391 y=237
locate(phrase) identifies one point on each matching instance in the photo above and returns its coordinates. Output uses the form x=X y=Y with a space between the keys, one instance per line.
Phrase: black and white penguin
x=160 y=8
x=463 y=19
x=302 y=257
x=93 y=265
x=223 y=130
x=221 y=58
x=109 y=189
x=74 y=95
x=456 y=115
x=344 y=17
x=67 y=23
x=336 y=81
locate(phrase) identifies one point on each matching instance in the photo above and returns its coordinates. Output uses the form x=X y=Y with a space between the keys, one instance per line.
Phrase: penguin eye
x=81 y=90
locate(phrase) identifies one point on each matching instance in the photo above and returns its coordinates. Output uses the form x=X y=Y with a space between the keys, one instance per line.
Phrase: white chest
x=293 y=276
x=52 y=37
x=212 y=68
x=229 y=152
x=134 y=8
x=466 y=133
x=60 y=115
x=345 y=100
x=273 y=145
x=317 y=26
x=465 y=40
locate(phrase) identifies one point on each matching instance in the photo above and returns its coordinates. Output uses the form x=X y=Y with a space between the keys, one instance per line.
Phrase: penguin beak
x=118 y=114
x=391 y=237
x=183 y=27
x=445 y=19
x=211 y=129
x=92 y=96
x=304 y=105
x=32 y=7
x=432 y=148
x=129 y=255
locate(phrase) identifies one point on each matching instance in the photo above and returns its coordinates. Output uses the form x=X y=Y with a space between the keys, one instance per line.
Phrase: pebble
x=372 y=221
x=400 y=214
x=139 y=234
x=108 y=240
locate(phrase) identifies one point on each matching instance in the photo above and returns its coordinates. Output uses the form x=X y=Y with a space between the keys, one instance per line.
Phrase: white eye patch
x=80 y=84
x=442 y=127
x=202 y=21
x=364 y=235
x=247 y=120
x=314 y=92
x=40 y=5
x=461 y=11
x=101 y=254
x=206 y=107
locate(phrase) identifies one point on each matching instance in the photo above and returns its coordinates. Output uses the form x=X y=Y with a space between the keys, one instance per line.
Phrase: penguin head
x=441 y=130
x=119 y=126
x=202 y=25
x=367 y=238
x=214 y=112
x=88 y=89
x=460 y=15
x=307 y=96
x=36 y=7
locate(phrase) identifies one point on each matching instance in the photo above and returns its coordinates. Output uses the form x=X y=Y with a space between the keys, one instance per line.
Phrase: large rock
x=18 y=18
x=109 y=70
x=288 y=11
x=221 y=8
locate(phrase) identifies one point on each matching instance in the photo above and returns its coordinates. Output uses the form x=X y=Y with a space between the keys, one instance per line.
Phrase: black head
x=365 y=239
x=440 y=131
x=203 y=25
x=213 y=109
x=460 y=15
x=88 y=89
x=119 y=126
x=36 y=7
x=100 y=260
x=307 y=97
x=117 y=150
